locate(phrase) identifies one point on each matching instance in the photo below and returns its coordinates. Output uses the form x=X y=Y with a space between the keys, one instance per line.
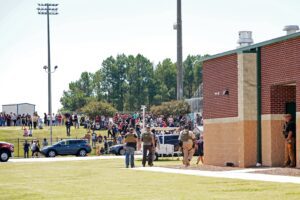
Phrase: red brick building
x=246 y=92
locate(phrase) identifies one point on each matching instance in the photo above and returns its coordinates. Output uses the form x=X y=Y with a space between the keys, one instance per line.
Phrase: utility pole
x=48 y=9
x=178 y=27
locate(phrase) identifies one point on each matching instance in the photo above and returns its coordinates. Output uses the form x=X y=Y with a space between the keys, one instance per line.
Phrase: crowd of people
x=156 y=120
x=122 y=128
x=31 y=121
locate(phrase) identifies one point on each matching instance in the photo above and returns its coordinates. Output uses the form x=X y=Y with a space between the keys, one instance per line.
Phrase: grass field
x=14 y=135
x=107 y=179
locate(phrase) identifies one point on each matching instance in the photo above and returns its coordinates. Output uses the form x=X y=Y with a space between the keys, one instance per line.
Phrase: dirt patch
x=281 y=171
x=204 y=167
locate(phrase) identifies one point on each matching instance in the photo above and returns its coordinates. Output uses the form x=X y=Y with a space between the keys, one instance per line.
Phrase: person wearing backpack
x=187 y=143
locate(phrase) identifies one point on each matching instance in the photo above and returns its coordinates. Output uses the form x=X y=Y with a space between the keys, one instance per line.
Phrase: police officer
x=130 y=147
x=148 y=146
x=289 y=132
x=187 y=143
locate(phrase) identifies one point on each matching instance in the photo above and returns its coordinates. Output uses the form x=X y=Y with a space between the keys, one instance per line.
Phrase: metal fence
x=19 y=144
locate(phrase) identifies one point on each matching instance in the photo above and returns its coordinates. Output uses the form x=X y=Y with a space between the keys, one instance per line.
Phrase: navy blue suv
x=78 y=147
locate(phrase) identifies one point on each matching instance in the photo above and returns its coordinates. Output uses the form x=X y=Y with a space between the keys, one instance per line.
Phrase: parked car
x=78 y=147
x=6 y=151
x=117 y=149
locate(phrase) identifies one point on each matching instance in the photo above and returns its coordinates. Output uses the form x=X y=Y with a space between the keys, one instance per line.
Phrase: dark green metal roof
x=253 y=46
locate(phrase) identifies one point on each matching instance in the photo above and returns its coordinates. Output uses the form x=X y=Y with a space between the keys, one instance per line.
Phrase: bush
x=98 y=108
x=171 y=108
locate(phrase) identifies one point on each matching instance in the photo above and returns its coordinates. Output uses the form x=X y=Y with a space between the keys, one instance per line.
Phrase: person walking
x=33 y=148
x=35 y=120
x=200 y=144
x=23 y=120
x=130 y=147
x=37 y=150
x=289 y=132
x=26 y=146
x=148 y=144
x=187 y=143
x=68 y=127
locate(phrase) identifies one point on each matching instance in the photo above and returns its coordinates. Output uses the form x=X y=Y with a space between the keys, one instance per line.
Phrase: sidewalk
x=60 y=159
x=244 y=174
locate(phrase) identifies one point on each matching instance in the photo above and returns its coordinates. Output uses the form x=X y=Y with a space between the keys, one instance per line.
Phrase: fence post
x=18 y=147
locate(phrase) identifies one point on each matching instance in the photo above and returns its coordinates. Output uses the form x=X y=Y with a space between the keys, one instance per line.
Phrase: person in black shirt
x=26 y=149
x=68 y=126
x=289 y=132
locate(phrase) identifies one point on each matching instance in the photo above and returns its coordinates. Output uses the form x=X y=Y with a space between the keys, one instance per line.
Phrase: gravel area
x=280 y=171
x=204 y=168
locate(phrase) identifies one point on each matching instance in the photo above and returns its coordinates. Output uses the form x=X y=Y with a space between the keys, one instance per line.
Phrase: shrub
x=171 y=108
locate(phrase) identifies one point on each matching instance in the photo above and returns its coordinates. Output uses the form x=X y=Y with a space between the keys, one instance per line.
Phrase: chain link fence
x=19 y=144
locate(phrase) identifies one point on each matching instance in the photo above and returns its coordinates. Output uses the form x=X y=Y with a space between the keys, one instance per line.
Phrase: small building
x=19 y=109
x=246 y=91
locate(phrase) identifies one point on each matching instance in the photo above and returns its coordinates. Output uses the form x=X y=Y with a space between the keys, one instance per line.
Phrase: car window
x=75 y=142
x=72 y=142
x=68 y=142
x=62 y=143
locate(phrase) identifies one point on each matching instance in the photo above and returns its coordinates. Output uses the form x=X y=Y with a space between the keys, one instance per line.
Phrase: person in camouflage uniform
x=148 y=146
x=187 y=143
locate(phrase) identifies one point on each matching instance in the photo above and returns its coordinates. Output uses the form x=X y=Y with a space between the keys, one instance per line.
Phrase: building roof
x=253 y=46
x=14 y=104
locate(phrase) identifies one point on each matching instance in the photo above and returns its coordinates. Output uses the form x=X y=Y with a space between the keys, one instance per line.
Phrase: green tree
x=139 y=76
x=79 y=93
x=165 y=81
x=127 y=82
x=114 y=80
x=171 y=108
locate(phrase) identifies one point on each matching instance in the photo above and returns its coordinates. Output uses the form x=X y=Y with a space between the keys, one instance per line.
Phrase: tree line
x=127 y=82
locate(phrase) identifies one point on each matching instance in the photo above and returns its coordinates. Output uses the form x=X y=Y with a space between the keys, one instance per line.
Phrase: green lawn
x=14 y=135
x=106 y=179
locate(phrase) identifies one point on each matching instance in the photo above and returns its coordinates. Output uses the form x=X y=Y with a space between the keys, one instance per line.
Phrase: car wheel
x=122 y=152
x=82 y=153
x=51 y=154
x=4 y=156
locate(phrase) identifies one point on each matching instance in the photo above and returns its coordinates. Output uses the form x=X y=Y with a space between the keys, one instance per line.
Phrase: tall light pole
x=178 y=27
x=48 y=9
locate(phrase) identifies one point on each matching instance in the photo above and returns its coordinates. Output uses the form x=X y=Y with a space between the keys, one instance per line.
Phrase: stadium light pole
x=48 y=9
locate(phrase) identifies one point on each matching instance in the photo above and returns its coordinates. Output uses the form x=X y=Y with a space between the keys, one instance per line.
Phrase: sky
x=87 y=31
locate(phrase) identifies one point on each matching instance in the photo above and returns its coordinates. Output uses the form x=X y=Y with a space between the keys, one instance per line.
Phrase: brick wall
x=220 y=74
x=280 y=65
x=280 y=95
